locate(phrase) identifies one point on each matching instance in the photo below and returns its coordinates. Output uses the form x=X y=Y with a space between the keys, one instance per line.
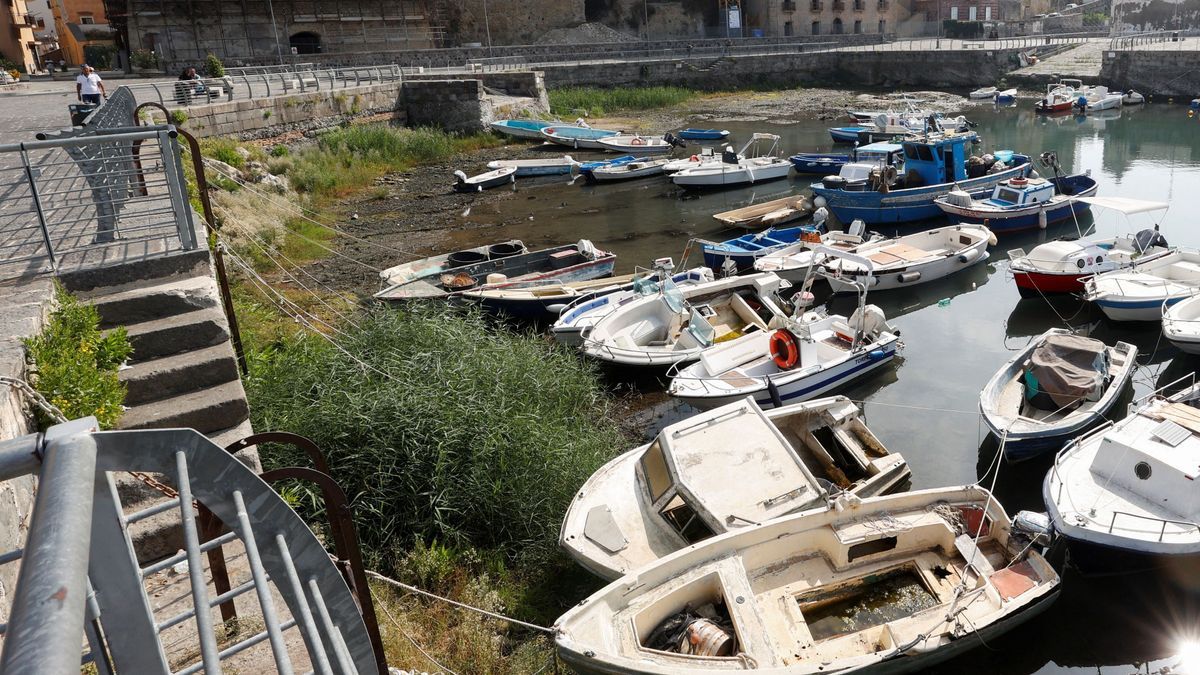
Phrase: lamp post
x=275 y=32
x=646 y=19
x=487 y=26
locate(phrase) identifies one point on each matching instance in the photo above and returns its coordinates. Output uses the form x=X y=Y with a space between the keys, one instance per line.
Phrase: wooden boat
x=577 y=137
x=1181 y=325
x=984 y=93
x=767 y=214
x=641 y=168
x=641 y=145
x=795 y=261
x=679 y=324
x=1124 y=496
x=891 y=584
x=1140 y=291
x=438 y=264
x=739 y=253
x=483 y=181
x=691 y=134
x=755 y=166
x=573 y=262
x=576 y=319
x=555 y=166
x=1021 y=203
x=676 y=490
x=530 y=129
x=899 y=262
x=1053 y=390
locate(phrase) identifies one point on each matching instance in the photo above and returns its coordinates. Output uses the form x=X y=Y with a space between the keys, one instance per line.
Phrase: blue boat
x=1022 y=203
x=744 y=250
x=587 y=167
x=702 y=134
x=826 y=164
x=531 y=129
x=576 y=137
x=846 y=134
x=933 y=167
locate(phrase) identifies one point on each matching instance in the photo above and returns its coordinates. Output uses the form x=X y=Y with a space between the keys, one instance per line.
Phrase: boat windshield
x=701 y=329
x=673 y=296
x=645 y=285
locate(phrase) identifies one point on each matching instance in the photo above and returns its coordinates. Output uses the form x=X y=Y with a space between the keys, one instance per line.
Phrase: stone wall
x=454 y=105
x=303 y=111
x=508 y=21
x=1158 y=72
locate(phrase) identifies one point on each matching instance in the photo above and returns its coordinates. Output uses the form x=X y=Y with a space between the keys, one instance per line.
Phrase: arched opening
x=837 y=26
x=305 y=43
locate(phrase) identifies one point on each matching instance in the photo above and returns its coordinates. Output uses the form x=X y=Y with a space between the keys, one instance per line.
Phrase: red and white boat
x=1060 y=97
x=1059 y=267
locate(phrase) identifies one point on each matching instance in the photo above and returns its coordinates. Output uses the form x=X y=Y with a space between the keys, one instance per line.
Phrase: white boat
x=985 y=92
x=679 y=324
x=888 y=584
x=1181 y=325
x=437 y=264
x=551 y=166
x=1132 y=97
x=483 y=181
x=1124 y=496
x=578 y=317
x=812 y=355
x=899 y=262
x=636 y=144
x=751 y=165
x=1054 y=389
x=1100 y=98
x=542 y=299
x=707 y=155
x=767 y=214
x=794 y=262
x=675 y=491
x=1139 y=292
x=642 y=168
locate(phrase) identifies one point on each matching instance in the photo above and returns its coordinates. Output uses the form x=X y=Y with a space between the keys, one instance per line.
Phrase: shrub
x=178 y=117
x=143 y=58
x=280 y=151
x=224 y=150
x=76 y=365
x=213 y=66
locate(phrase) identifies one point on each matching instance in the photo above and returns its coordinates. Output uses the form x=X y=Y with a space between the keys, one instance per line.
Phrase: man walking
x=89 y=87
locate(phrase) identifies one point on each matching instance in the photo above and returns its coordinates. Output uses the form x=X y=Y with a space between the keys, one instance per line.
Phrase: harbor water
x=957 y=332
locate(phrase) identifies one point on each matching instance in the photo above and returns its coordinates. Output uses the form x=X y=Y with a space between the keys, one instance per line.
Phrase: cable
x=501 y=617
x=287 y=305
x=413 y=641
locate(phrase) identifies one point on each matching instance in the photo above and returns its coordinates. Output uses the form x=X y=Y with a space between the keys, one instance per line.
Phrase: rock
x=245 y=154
x=221 y=167
x=277 y=183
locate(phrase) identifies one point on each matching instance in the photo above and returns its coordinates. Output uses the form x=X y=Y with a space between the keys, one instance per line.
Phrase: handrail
x=1162 y=532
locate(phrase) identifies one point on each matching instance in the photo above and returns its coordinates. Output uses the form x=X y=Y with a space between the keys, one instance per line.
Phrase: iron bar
x=204 y=626
x=307 y=625
x=278 y=649
x=19 y=456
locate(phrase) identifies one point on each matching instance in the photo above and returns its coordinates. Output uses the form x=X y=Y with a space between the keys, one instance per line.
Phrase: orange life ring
x=1019 y=181
x=785 y=350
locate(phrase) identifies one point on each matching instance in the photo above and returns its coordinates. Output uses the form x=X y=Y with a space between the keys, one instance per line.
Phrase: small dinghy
x=573 y=262
x=1053 y=390
x=1021 y=203
x=1181 y=325
x=690 y=134
x=641 y=168
x=767 y=214
x=1124 y=496
x=673 y=492
x=585 y=167
x=679 y=324
x=1132 y=97
x=738 y=254
x=755 y=165
x=528 y=129
x=1139 y=292
x=820 y=163
x=439 y=264
x=1006 y=97
x=577 y=318
x=641 y=145
x=891 y=584
x=984 y=93
x=811 y=355
x=794 y=262
x=555 y=166
x=483 y=181
x=899 y=262
x=577 y=137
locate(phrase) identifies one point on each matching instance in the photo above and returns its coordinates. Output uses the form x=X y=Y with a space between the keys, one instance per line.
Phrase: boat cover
x=1068 y=368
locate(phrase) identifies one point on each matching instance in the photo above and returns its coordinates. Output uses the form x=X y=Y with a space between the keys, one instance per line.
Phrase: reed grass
x=596 y=102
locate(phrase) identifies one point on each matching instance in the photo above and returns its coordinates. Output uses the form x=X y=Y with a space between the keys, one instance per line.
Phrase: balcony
x=815 y=6
x=839 y=5
x=789 y=6
x=23 y=20
x=860 y=5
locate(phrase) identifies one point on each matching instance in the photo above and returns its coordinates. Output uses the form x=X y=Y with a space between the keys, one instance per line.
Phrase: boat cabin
x=1021 y=192
x=883 y=153
x=937 y=160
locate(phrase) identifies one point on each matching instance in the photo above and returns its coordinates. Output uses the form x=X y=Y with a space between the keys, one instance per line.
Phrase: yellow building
x=83 y=33
x=17 y=43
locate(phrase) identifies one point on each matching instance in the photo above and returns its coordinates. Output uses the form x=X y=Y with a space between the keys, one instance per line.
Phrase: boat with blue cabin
x=1022 y=203
x=826 y=164
x=934 y=165
x=691 y=134
x=744 y=250
x=577 y=137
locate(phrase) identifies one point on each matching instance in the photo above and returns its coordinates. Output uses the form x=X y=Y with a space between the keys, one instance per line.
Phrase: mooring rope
x=494 y=615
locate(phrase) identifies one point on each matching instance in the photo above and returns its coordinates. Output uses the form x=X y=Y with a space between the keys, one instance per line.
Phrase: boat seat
x=1185 y=270
x=965 y=544
x=745 y=313
x=640 y=333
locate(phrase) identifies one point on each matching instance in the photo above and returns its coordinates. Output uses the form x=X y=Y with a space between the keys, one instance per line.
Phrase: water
x=958 y=331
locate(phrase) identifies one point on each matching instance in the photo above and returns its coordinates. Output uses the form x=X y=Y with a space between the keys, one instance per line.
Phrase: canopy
x=1124 y=204
x=1068 y=367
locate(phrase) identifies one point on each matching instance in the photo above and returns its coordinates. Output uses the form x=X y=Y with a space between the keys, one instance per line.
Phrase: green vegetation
x=178 y=117
x=595 y=102
x=76 y=365
x=213 y=66
x=143 y=58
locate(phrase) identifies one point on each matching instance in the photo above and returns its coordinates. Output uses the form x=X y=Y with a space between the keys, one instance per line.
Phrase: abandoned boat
x=525 y=168
x=577 y=137
x=437 y=264
x=529 y=129
x=639 y=168
x=767 y=214
x=484 y=181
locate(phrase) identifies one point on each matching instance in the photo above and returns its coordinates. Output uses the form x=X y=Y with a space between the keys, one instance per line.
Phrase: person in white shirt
x=89 y=87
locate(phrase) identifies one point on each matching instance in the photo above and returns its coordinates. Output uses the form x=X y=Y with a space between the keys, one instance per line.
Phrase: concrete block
x=155 y=298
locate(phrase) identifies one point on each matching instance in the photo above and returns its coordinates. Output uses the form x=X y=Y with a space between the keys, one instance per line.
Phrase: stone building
x=783 y=18
x=17 y=41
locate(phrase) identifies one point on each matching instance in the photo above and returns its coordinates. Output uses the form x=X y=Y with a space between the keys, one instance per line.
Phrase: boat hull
x=1019 y=219
x=1038 y=284
x=727 y=179
x=532 y=130
x=1120 y=309
x=1019 y=447
x=701 y=134
x=1051 y=108
x=818 y=164
x=891 y=280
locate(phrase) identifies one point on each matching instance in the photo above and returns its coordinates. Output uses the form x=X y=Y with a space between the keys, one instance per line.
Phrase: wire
x=286 y=304
x=413 y=641
x=501 y=617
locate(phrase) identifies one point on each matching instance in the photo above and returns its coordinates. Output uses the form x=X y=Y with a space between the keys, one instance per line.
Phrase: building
x=84 y=34
x=785 y=18
x=17 y=41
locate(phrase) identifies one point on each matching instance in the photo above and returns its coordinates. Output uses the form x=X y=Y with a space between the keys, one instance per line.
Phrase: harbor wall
x=1153 y=72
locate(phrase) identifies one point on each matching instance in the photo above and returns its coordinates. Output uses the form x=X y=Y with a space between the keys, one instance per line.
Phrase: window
x=987 y=13
x=684 y=520
x=86 y=19
x=857 y=26
x=654 y=466
x=837 y=26
x=954 y=14
x=972 y=13
x=883 y=25
x=816 y=28
x=787 y=29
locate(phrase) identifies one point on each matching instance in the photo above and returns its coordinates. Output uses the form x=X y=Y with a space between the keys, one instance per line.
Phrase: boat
x=913 y=259
x=691 y=134
x=573 y=262
x=640 y=168
x=438 y=264
x=890 y=584
x=767 y=214
x=822 y=163
x=984 y=93
x=483 y=181
x=585 y=167
x=553 y=166
x=1005 y=97
x=1140 y=291
x=810 y=355
x=640 y=145
x=577 y=137
x=679 y=324
x=706 y=156
x=1054 y=389
x=869 y=170
x=794 y=262
x=889 y=128
x=934 y=165
x=1093 y=99
x=674 y=491
x=826 y=164
x=1060 y=97
x=530 y=129
x=1021 y=203
x=1124 y=496
x=751 y=165
x=1181 y=325
x=577 y=318
x=1132 y=97
x=738 y=254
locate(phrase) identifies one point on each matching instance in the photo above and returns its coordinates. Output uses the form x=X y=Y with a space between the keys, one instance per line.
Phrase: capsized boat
x=810 y=355
x=638 y=144
x=680 y=323
x=1140 y=291
x=934 y=165
x=767 y=214
x=576 y=319
x=529 y=129
x=751 y=165
x=890 y=584
x=550 y=166
x=1021 y=203
x=1060 y=385
x=438 y=264
x=1181 y=325
x=738 y=254
x=794 y=262
x=983 y=93
x=1124 y=496
x=640 y=168
x=918 y=258
x=577 y=137
x=677 y=490
x=573 y=262
x=483 y=181
x=702 y=134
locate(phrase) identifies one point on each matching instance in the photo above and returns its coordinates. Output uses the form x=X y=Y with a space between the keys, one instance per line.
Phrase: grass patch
x=596 y=102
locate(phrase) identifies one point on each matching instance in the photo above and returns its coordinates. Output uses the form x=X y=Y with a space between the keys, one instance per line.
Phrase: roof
x=1124 y=204
x=882 y=146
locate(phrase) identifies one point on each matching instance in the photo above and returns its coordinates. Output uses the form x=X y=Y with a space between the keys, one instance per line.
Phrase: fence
x=272 y=82
x=1162 y=39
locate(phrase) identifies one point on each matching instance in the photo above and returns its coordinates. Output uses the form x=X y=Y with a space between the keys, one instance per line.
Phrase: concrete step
x=156 y=299
x=174 y=334
x=205 y=410
x=177 y=374
x=182 y=263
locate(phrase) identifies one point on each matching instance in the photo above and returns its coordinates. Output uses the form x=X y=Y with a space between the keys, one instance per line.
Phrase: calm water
x=925 y=407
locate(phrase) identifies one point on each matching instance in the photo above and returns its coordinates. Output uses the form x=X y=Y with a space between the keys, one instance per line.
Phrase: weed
x=266 y=114
x=178 y=117
x=223 y=149
x=280 y=151
x=595 y=101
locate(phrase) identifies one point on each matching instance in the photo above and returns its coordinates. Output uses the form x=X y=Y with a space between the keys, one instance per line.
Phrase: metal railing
x=205 y=91
x=1148 y=39
x=1185 y=526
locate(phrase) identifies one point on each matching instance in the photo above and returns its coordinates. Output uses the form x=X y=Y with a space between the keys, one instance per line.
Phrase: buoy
x=1042 y=219
x=819 y=201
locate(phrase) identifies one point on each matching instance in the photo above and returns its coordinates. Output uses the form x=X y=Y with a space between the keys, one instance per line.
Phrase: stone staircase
x=1080 y=62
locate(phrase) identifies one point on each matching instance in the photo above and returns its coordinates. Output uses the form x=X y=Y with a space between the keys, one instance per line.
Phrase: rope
x=501 y=617
x=413 y=641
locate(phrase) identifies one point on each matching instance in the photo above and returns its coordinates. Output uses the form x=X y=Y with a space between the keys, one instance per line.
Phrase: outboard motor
x=728 y=156
x=1033 y=527
x=1149 y=238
